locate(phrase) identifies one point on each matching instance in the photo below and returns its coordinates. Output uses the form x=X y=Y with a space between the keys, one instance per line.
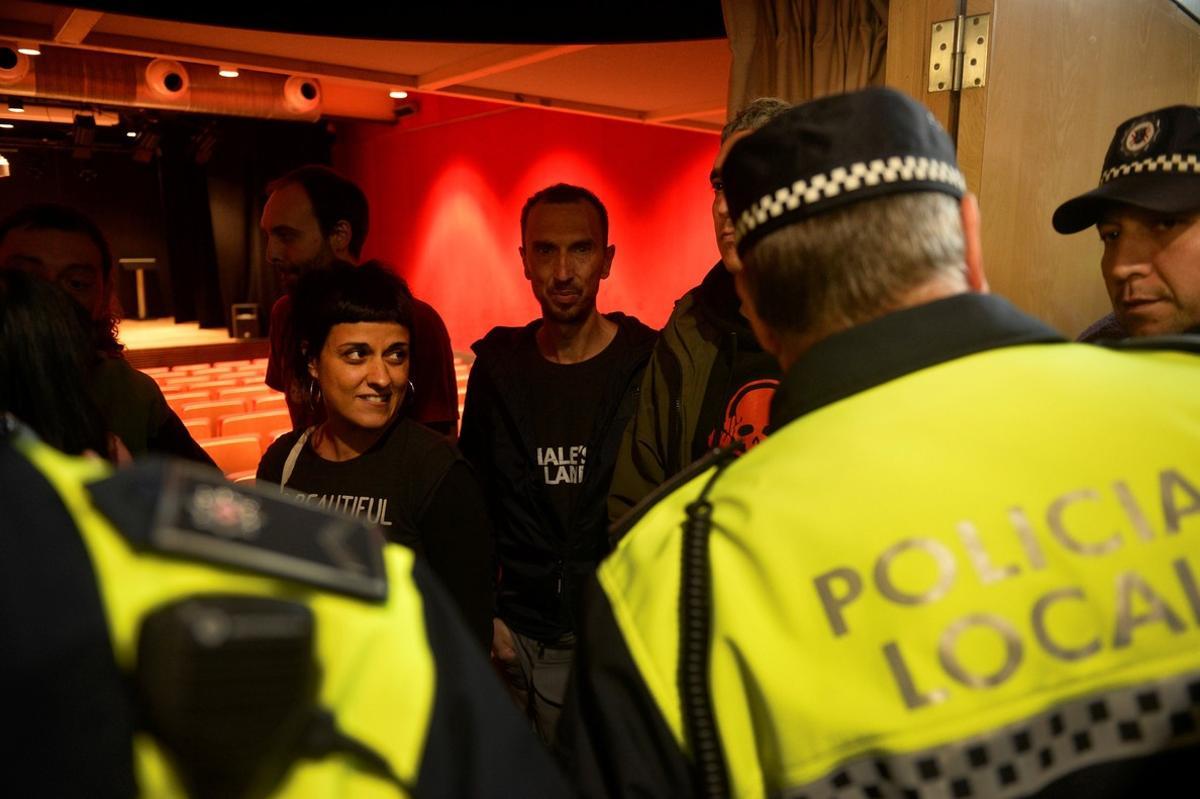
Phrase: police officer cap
x=1153 y=163
x=829 y=153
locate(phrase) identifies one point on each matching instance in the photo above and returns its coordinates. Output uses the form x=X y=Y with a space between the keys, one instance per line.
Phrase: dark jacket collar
x=500 y=351
x=718 y=301
x=906 y=341
x=502 y=341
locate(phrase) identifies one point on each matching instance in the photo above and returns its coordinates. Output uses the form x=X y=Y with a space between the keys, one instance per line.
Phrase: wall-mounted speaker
x=14 y=66
x=302 y=95
x=167 y=78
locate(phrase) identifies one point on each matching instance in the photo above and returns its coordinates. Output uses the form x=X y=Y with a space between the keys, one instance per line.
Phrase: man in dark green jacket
x=709 y=383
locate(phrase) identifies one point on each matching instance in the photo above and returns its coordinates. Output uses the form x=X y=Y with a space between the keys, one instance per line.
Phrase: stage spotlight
x=397 y=94
x=202 y=144
x=147 y=146
x=83 y=135
x=227 y=72
x=29 y=48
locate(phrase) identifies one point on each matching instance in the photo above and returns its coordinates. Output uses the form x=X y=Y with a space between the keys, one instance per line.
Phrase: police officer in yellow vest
x=165 y=633
x=966 y=561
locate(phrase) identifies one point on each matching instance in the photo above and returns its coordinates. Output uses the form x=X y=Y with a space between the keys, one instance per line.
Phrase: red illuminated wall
x=447 y=184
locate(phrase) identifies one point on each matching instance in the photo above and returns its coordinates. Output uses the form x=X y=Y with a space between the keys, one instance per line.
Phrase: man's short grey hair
x=854 y=264
x=754 y=116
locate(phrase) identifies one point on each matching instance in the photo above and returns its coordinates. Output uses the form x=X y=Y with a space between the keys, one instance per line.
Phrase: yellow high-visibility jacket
x=959 y=567
x=401 y=675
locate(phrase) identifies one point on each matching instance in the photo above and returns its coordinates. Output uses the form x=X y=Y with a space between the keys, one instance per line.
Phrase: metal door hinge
x=958 y=50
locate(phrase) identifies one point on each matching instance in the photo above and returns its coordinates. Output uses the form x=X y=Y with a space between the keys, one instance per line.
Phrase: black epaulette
x=714 y=457
x=190 y=511
x=1180 y=342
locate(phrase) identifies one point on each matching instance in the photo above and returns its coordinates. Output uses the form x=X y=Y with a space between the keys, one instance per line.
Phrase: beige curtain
x=802 y=49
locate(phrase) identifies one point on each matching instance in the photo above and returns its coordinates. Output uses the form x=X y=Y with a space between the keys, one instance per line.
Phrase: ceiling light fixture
x=132 y=134
x=397 y=94
x=7 y=125
x=29 y=48
x=227 y=72
x=16 y=105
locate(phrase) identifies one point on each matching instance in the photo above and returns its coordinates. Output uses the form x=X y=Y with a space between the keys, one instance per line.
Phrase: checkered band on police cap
x=832 y=152
x=1153 y=163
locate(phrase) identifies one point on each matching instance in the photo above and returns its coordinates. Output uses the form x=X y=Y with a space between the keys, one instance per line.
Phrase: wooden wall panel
x=972 y=113
x=907 y=65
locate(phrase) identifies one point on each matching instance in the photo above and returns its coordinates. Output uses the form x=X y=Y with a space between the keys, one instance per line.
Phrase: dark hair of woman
x=46 y=352
x=345 y=293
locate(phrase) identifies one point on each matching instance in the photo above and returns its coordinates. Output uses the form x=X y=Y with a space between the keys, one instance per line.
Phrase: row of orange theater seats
x=228 y=409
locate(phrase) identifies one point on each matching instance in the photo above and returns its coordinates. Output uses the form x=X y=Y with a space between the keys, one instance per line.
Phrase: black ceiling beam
x=500 y=21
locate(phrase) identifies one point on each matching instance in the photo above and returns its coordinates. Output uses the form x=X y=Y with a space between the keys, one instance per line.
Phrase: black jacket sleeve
x=475 y=443
x=456 y=534
x=474 y=433
x=477 y=745
x=171 y=437
x=70 y=728
x=612 y=739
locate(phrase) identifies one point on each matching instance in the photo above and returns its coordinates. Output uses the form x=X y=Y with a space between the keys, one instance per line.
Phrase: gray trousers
x=537 y=680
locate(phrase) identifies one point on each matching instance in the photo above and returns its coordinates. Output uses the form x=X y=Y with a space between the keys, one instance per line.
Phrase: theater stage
x=165 y=342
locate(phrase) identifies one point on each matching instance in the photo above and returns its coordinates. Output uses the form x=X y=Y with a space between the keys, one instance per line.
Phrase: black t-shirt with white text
x=563 y=399
x=421 y=493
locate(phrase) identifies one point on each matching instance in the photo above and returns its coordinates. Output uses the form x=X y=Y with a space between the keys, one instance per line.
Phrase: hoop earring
x=314 y=394
x=410 y=396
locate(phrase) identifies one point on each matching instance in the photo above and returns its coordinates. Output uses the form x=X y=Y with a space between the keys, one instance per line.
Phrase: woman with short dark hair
x=367 y=458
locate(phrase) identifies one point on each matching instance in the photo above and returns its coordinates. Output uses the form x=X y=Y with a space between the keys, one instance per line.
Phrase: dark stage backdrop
x=194 y=208
x=121 y=195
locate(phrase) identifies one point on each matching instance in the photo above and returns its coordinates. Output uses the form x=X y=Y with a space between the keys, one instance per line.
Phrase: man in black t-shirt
x=546 y=406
